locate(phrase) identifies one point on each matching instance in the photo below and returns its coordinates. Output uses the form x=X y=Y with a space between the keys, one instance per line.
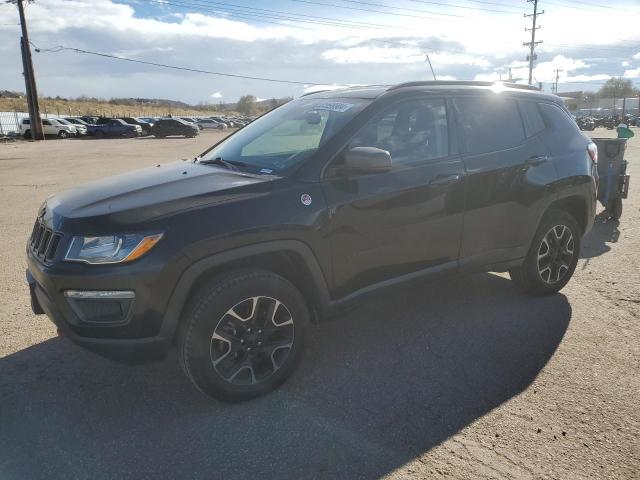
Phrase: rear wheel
x=63 y=134
x=552 y=257
x=99 y=134
x=243 y=335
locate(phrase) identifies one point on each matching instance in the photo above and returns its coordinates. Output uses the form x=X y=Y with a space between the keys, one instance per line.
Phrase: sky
x=314 y=43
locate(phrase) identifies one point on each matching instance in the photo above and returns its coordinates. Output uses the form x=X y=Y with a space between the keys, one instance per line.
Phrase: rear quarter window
x=488 y=123
x=531 y=117
x=558 y=120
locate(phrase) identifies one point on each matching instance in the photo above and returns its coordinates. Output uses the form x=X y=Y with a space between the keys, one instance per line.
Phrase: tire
x=552 y=257
x=27 y=135
x=63 y=134
x=243 y=335
x=99 y=134
x=614 y=209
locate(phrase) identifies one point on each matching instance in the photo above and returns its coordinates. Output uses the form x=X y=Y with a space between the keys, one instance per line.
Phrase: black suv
x=311 y=207
x=166 y=127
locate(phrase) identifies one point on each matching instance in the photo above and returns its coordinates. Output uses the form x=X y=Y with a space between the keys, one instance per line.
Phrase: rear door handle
x=537 y=160
x=445 y=179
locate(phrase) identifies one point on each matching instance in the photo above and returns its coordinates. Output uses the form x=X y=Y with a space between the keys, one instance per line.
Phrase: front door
x=409 y=219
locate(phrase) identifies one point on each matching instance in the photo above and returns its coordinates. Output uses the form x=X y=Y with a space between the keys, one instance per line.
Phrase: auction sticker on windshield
x=339 y=107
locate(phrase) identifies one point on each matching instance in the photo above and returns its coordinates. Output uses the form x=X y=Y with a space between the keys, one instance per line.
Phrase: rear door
x=407 y=220
x=508 y=176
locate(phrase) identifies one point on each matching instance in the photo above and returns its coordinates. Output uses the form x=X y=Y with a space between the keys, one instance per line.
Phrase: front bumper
x=129 y=341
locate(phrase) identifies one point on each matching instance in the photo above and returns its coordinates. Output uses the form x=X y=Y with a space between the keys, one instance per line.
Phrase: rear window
x=533 y=122
x=488 y=123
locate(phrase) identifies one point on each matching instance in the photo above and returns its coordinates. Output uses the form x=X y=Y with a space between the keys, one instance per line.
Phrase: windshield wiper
x=229 y=164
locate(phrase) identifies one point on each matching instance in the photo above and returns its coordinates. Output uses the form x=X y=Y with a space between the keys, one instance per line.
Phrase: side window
x=533 y=122
x=412 y=131
x=558 y=120
x=26 y=121
x=46 y=122
x=488 y=123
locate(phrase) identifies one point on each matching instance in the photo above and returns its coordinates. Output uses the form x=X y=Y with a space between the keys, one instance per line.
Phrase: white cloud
x=625 y=64
x=635 y=73
x=637 y=56
x=317 y=53
x=216 y=95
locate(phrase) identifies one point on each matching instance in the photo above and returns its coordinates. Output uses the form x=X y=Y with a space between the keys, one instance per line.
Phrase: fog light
x=101 y=307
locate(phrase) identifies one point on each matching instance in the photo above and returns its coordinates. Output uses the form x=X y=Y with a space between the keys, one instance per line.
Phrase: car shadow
x=596 y=241
x=376 y=388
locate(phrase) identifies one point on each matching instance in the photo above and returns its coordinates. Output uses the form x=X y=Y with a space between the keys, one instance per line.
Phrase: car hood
x=153 y=192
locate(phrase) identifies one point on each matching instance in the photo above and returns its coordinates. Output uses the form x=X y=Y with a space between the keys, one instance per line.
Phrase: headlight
x=110 y=248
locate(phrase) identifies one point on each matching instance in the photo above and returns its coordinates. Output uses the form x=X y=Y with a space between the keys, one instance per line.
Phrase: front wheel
x=552 y=257
x=63 y=134
x=243 y=335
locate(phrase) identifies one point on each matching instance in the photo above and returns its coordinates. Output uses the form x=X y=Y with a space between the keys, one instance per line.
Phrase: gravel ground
x=468 y=379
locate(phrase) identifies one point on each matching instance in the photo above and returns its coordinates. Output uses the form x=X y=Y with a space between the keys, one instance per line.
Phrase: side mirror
x=367 y=159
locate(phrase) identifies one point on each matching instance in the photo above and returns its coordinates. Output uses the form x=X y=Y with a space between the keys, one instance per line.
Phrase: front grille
x=44 y=242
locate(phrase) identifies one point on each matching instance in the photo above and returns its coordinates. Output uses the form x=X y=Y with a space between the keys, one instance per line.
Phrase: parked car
x=209 y=123
x=327 y=199
x=144 y=125
x=224 y=121
x=76 y=121
x=50 y=126
x=150 y=120
x=89 y=119
x=114 y=127
x=81 y=130
x=586 y=123
x=167 y=127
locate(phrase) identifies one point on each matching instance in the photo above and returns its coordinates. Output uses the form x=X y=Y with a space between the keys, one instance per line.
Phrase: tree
x=247 y=104
x=617 y=88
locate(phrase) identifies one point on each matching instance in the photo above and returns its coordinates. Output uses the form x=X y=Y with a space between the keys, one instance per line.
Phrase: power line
x=231 y=9
x=427 y=2
x=60 y=48
x=425 y=11
x=333 y=5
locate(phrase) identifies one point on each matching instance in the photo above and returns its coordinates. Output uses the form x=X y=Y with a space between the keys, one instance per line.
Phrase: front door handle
x=445 y=179
x=537 y=160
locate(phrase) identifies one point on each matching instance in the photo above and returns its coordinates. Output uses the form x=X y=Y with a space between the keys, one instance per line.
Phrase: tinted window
x=26 y=121
x=412 y=131
x=557 y=119
x=488 y=123
x=46 y=122
x=533 y=122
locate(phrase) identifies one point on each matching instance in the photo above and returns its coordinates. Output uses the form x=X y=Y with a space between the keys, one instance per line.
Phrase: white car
x=80 y=129
x=208 y=123
x=50 y=126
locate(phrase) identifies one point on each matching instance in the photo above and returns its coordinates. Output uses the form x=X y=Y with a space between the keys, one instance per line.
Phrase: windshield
x=288 y=135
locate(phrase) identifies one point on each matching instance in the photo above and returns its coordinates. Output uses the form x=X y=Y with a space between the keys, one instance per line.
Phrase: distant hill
x=85 y=105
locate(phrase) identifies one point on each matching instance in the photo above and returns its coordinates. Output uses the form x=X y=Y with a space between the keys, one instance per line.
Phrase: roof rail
x=428 y=83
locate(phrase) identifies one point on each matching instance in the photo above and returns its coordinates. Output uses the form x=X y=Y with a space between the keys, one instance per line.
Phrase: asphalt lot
x=467 y=379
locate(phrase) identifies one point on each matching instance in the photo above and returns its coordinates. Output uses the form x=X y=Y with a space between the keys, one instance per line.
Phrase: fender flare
x=188 y=279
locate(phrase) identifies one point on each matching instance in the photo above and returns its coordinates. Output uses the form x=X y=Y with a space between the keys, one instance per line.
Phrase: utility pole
x=555 y=90
x=29 y=77
x=532 y=44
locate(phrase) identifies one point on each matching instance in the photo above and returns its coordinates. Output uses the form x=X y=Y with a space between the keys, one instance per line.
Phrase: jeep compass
x=325 y=200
